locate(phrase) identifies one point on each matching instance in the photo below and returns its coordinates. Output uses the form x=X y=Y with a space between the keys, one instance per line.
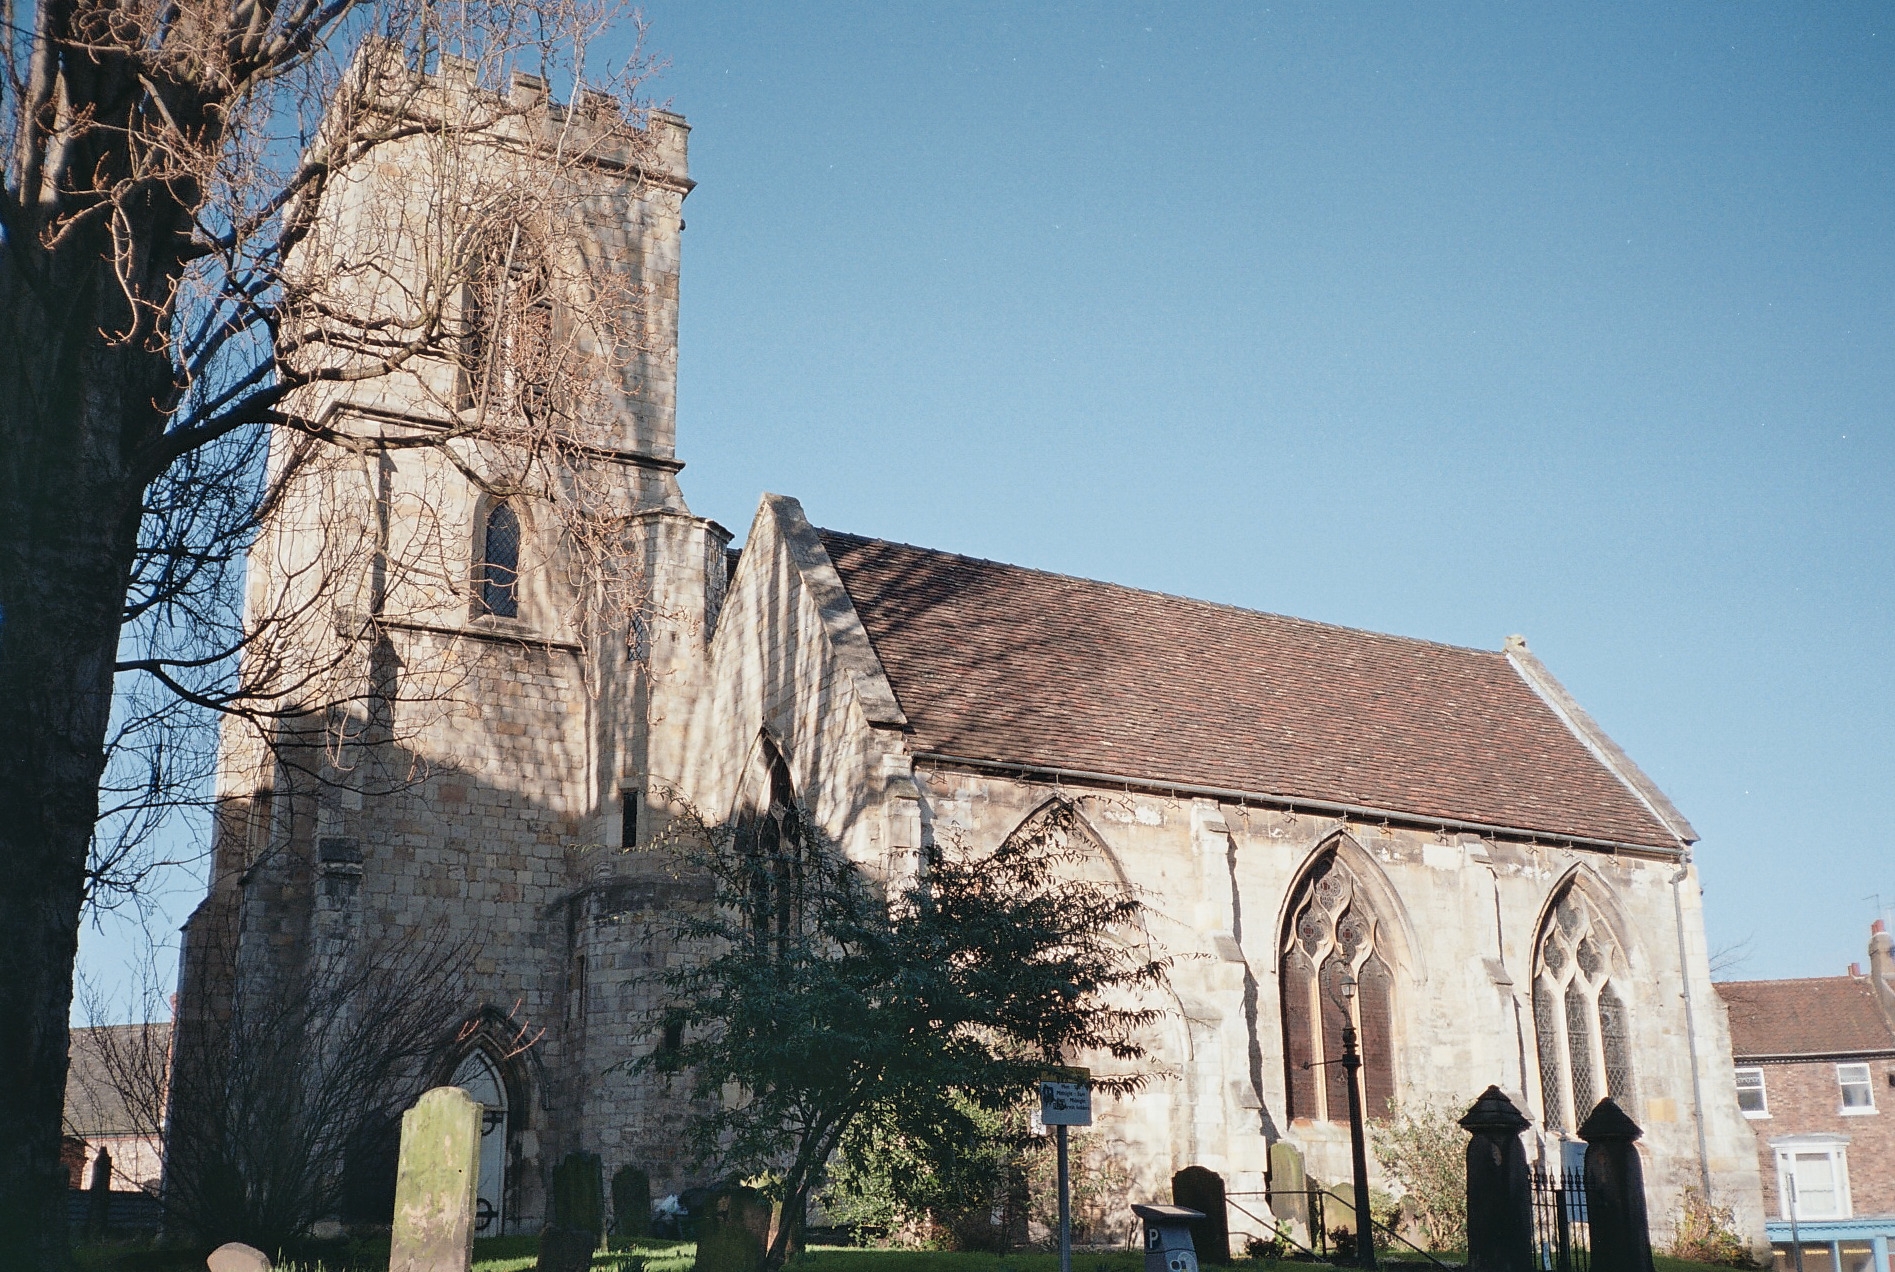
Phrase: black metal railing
x=1562 y=1234
x=1323 y=1244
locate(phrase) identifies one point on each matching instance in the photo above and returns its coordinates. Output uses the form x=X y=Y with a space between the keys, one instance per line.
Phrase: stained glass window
x=1579 y=1013
x=1546 y=1026
x=1333 y=935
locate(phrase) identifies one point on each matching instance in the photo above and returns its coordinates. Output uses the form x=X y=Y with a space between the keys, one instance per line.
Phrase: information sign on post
x=1066 y=1097
x=1065 y=1100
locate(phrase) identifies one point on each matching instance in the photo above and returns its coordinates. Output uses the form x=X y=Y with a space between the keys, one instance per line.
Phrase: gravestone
x=435 y=1184
x=1499 y=1190
x=733 y=1231
x=99 y=1195
x=1615 y=1191
x=1288 y=1197
x=1200 y=1189
x=631 y=1202
x=565 y=1249
x=235 y=1256
x=695 y=1204
x=577 y=1222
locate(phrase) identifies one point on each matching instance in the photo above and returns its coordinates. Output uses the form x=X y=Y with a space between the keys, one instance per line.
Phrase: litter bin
x=1168 y=1245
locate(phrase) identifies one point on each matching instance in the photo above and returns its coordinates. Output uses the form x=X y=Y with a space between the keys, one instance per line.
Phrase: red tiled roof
x=1819 y=1015
x=995 y=662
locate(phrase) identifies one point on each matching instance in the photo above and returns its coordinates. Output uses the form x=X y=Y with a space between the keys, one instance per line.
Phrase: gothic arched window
x=772 y=843
x=506 y=324
x=1579 y=1013
x=498 y=576
x=1333 y=935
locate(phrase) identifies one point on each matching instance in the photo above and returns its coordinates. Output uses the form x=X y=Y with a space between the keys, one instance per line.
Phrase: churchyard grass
x=673 y=1257
x=518 y=1254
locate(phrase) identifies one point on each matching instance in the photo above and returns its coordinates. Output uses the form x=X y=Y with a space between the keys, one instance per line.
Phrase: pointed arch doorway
x=477 y=1076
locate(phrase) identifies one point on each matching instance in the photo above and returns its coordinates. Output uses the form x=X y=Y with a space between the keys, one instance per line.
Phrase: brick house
x=1815 y=1071
x=114 y=1098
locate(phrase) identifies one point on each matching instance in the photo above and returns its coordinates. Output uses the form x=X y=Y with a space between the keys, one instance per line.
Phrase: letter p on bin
x=1168 y=1245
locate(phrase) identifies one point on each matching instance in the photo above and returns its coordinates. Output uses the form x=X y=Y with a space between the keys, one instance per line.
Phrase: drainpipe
x=1691 y=1032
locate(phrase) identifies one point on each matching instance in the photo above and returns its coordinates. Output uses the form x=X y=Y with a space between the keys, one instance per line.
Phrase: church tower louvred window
x=1579 y=1012
x=1333 y=934
x=505 y=337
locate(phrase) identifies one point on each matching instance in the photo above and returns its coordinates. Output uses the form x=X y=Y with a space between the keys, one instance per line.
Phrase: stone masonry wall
x=478 y=806
x=1459 y=914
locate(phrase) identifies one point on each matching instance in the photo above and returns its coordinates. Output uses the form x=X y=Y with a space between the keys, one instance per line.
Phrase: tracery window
x=1579 y=1013
x=1334 y=932
x=506 y=325
x=771 y=840
x=498 y=576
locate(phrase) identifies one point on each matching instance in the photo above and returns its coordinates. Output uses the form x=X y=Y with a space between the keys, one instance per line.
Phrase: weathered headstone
x=1289 y=1198
x=631 y=1202
x=733 y=1231
x=1615 y=1191
x=99 y=1194
x=565 y=1249
x=577 y=1222
x=235 y=1256
x=1499 y=1190
x=435 y=1184
x=579 y=1194
x=1201 y=1189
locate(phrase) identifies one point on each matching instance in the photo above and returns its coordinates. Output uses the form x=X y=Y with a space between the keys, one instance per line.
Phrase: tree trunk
x=78 y=414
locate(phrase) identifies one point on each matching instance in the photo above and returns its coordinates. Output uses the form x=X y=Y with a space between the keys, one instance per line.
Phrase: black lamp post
x=1358 y=1148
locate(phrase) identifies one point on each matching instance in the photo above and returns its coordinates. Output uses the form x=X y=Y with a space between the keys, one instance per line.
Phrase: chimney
x=1882 y=969
x=1855 y=971
x=528 y=89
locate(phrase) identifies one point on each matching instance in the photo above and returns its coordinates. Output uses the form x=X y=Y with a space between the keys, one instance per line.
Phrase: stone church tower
x=1513 y=898
x=487 y=735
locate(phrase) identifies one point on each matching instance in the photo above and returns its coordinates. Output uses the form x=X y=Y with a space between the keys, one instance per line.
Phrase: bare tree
x=1731 y=957
x=270 y=1100
x=251 y=256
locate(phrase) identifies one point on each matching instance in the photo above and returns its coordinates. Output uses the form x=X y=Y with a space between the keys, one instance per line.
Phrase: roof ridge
x=1169 y=596
x=1794 y=980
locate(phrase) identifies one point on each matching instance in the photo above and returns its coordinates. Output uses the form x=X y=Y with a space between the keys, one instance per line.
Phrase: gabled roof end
x=1587 y=730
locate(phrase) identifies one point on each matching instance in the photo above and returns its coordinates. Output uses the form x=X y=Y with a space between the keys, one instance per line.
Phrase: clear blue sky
x=1452 y=321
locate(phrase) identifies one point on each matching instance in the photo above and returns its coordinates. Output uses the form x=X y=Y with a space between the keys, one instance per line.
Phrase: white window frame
x=1762 y=1089
x=1867 y=1083
x=1836 y=1148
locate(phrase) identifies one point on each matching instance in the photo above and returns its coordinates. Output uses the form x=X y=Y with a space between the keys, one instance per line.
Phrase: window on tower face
x=505 y=329
x=1334 y=937
x=498 y=577
x=1579 y=1013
